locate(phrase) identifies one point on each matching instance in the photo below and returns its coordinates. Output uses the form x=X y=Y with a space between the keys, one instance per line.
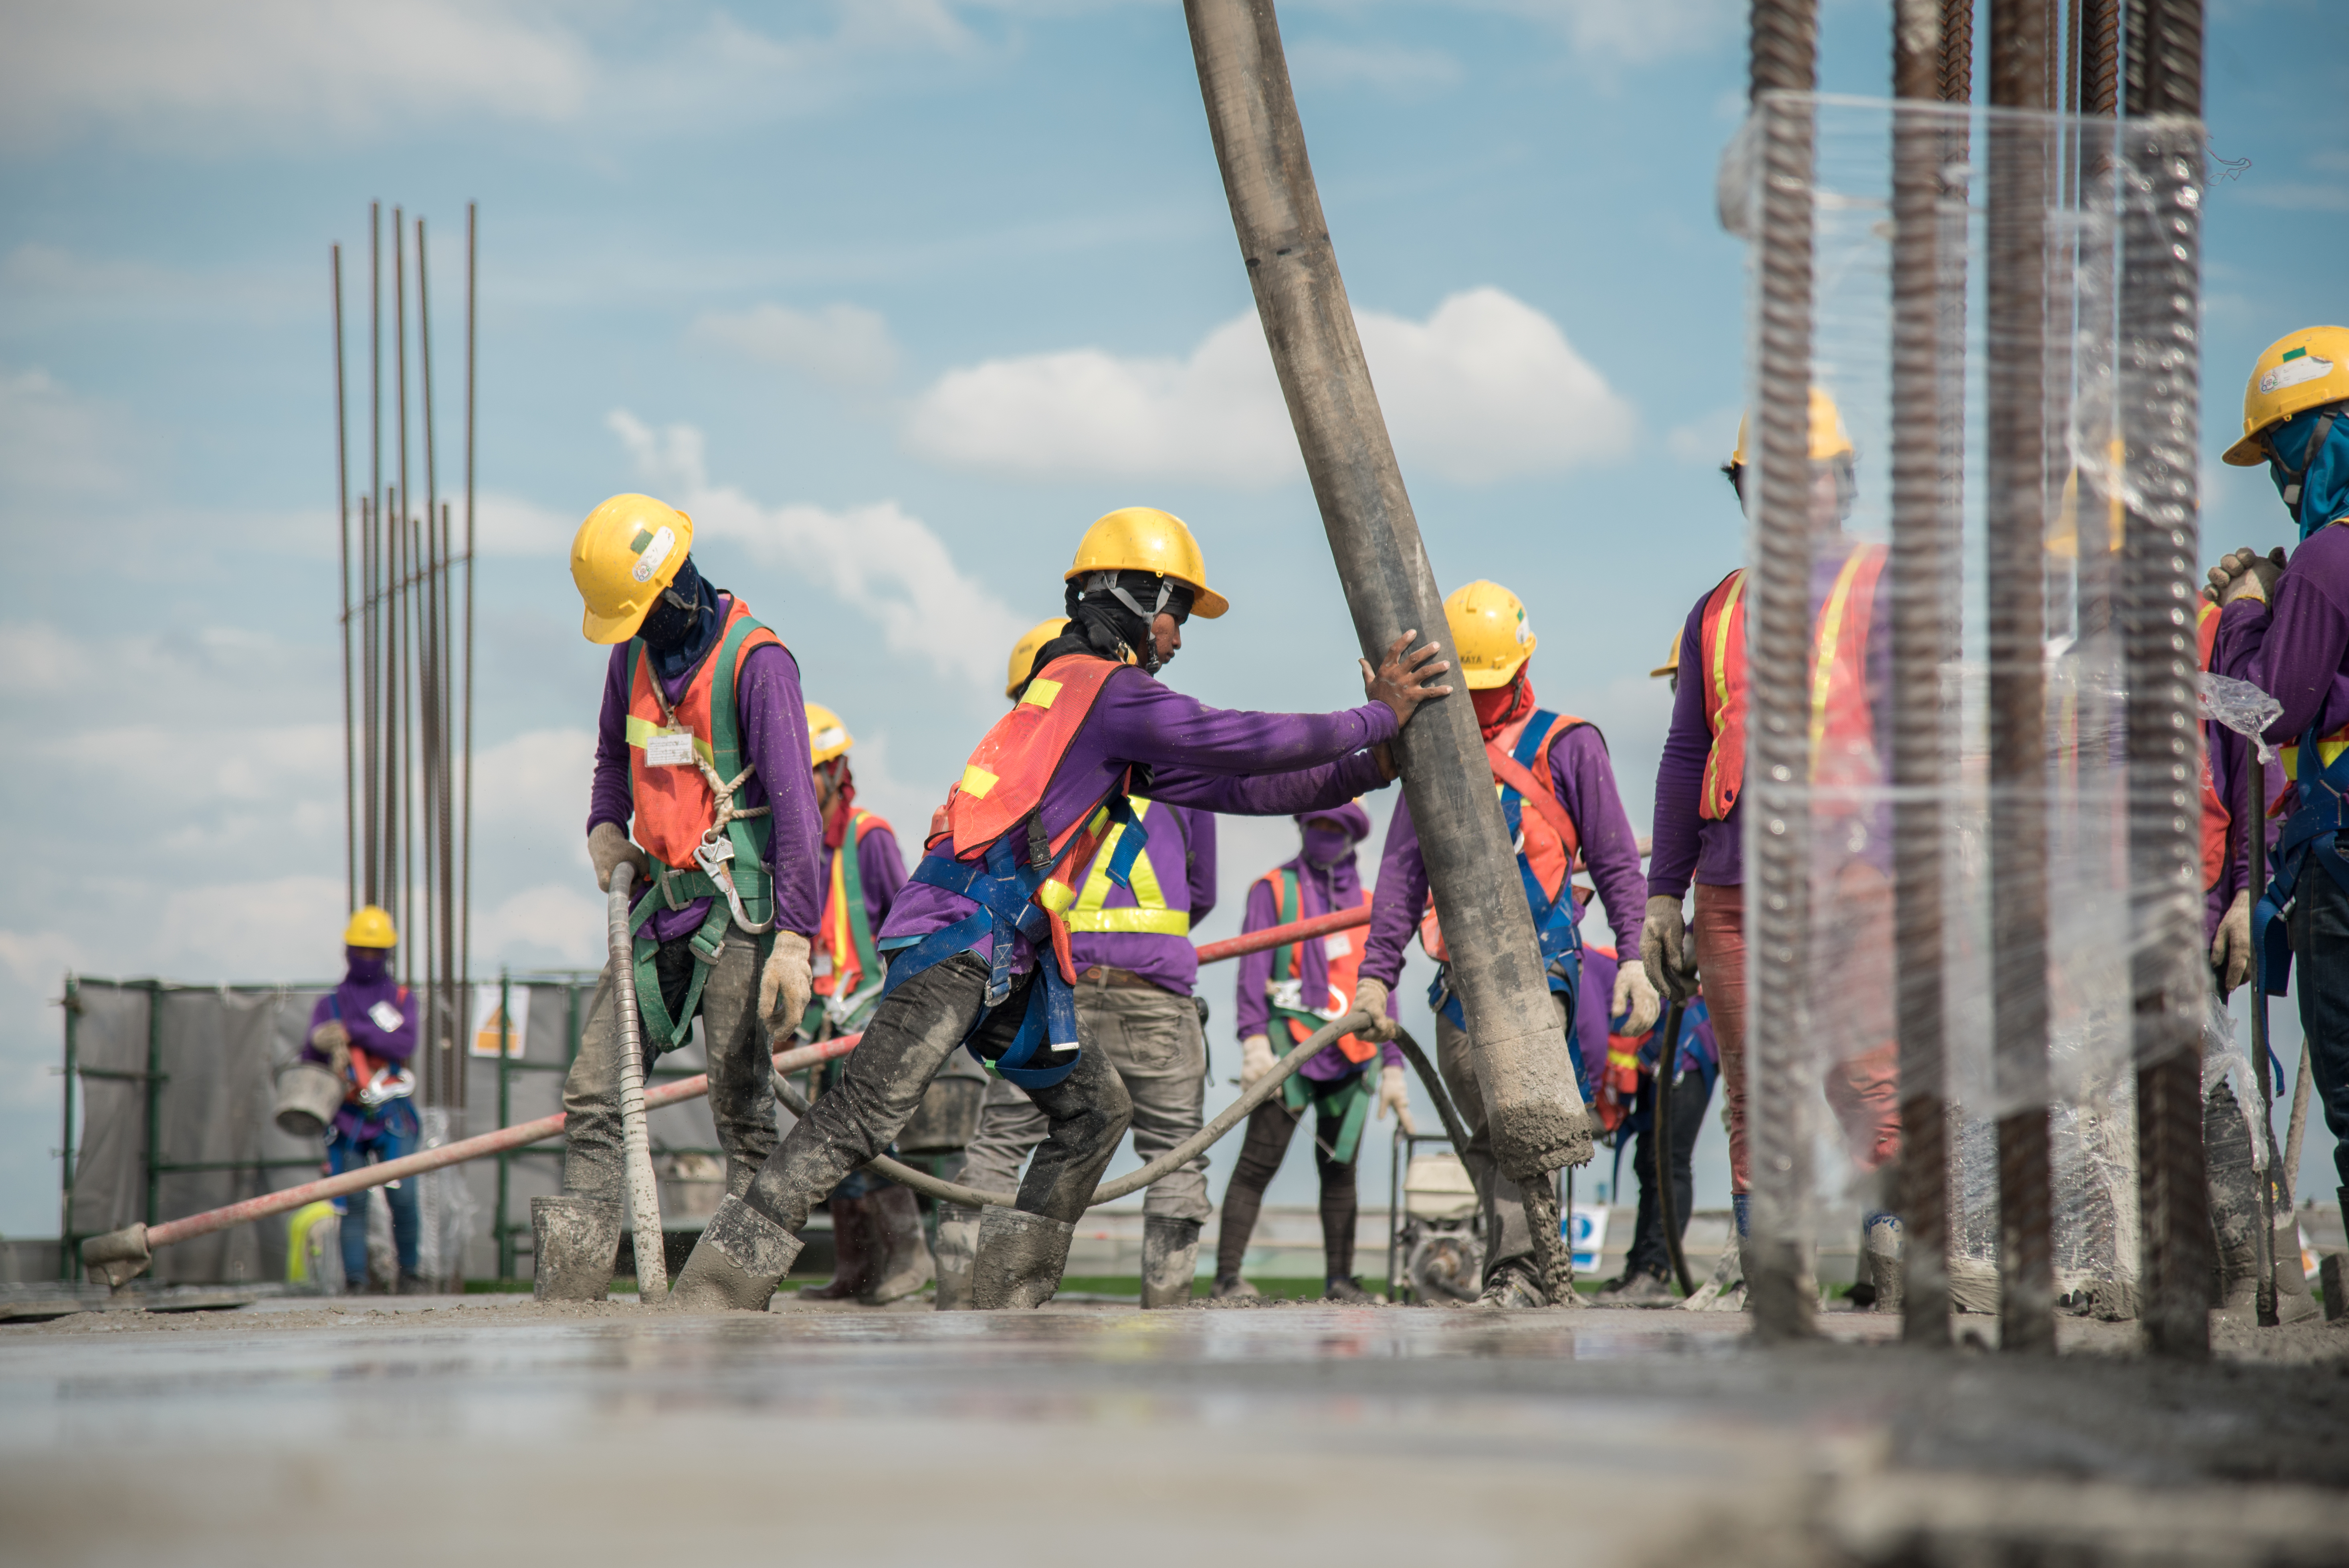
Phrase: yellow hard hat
x=1144 y=538
x=1489 y=634
x=2300 y=371
x=1023 y=652
x=370 y=928
x=827 y=737
x=626 y=551
x=1672 y=664
x=1830 y=439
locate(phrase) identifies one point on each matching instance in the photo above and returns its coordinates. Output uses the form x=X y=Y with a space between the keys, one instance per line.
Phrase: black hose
x=1667 y=1054
x=1453 y=1127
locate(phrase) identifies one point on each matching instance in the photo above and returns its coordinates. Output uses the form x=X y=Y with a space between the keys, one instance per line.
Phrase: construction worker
x=880 y=1253
x=979 y=945
x=1558 y=792
x=702 y=746
x=1284 y=995
x=1617 y=1071
x=364 y=1030
x=2284 y=627
x=1697 y=832
x=1136 y=972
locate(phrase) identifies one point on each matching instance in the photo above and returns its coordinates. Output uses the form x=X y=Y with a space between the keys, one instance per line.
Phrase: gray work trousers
x=1507 y=1238
x=741 y=1101
x=914 y=1030
x=1154 y=1040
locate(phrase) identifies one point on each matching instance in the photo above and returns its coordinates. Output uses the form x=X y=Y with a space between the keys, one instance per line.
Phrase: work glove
x=1396 y=1094
x=2231 y=950
x=1635 y=1000
x=333 y=1042
x=1256 y=1059
x=784 y=984
x=1664 y=950
x=1370 y=996
x=2245 y=574
x=608 y=846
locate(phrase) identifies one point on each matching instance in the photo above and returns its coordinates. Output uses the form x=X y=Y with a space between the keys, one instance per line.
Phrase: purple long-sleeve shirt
x=1220 y=760
x=1686 y=846
x=1318 y=891
x=1585 y=784
x=1182 y=855
x=368 y=995
x=773 y=719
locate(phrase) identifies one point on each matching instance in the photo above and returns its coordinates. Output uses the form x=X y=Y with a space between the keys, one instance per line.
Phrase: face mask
x=366 y=964
x=1325 y=847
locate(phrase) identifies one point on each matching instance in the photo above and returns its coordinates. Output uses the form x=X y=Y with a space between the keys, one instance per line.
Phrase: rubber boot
x=958 y=1245
x=1883 y=1244
x=576 y=1240
x=736 y=1264
x=1020 y=1257
x=2234 y=1204
x=852 y=1250
x=1170 y=1257
x=899 y=1250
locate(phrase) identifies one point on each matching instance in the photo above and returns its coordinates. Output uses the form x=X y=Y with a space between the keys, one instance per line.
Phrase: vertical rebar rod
x=153 y=1087
x=453 y=998
x=403 y=577
x=2016 y=565
x=1776 y=801
x=2100 y=57
x=371 y=528
x=342 y=576
x=1919 y=564
x=465 y=882
x=431 y=709
x=2161 y=424
x=67 y=1250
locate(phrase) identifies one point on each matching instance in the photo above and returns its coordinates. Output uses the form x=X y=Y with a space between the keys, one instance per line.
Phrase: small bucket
x=308 y=1095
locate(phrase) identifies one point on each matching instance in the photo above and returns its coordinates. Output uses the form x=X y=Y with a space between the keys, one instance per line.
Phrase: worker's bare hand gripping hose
x=637 y=1149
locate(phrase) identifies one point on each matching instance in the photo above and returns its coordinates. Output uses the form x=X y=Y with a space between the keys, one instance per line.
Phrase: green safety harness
x=848 y=1014
x=730 y=863
x=1347 y=1100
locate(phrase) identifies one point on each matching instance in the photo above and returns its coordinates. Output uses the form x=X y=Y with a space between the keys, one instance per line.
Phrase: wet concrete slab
x=470 y=1430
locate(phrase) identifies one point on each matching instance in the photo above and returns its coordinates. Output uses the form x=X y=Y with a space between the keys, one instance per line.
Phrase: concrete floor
x=480 y=1430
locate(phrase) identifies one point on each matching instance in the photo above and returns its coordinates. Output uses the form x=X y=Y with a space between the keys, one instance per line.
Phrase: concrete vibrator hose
x=637 y=1148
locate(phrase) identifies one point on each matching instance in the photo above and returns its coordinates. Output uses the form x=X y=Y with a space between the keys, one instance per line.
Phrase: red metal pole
x=1279 y=935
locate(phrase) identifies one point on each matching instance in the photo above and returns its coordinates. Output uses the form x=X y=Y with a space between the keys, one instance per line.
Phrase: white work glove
x=2231 y=950
x=608 y=846
x=1635 y=1000
x=1393 y=1093
x=1370 y=997
x=1256 y=1059
x=335 y=1041
x=784 y=984
x=2245 y=574
x=1664 y=949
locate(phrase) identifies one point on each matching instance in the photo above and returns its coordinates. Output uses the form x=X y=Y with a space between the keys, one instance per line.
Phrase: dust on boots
x=1021 y=1259
x=575 y=1239
x=1170 y=1257
x=741 y=1256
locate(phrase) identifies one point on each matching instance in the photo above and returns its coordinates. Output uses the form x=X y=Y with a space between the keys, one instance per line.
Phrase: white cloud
x=1612 y=30
x=289 y=926
x=841 y=345
x=1390 y=67
x=1705 y=440
x=878 y=558
x=514 y=782
x=1486 y=389
x=563 y=922
x=52 y=442
x=509 y=525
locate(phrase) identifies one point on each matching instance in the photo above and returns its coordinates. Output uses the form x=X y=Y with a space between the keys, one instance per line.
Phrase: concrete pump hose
x=1453 y=1127
x=1231 y=1116
x=644 y=1188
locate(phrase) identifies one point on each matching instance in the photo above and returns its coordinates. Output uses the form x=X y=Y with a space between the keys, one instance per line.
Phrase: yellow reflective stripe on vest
x=1148 y=916
x=2329 y=748
x=641 y=731
x=1718 y=652
x=1830 y=633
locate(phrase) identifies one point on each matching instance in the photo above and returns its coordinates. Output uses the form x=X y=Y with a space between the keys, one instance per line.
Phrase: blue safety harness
x=1557 y=920
x=2310 y=833
x=1046 y=1048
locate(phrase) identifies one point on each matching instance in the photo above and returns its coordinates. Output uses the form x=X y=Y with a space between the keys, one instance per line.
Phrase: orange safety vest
x=1549 y=841
x=1345 y=968
x=2217 y=819
x=841 y=933
x=674 y=803
x=1842 y=729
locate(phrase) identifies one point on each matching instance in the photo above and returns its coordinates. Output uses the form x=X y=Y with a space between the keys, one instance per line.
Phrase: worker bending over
x=879 y=1252
x=1284 y=995
x=1697 y=830
x=364 y=1031
x=1136 y=972
x=979 y=940
x=2284 y=627
x=702 y=746
x=1558 y=792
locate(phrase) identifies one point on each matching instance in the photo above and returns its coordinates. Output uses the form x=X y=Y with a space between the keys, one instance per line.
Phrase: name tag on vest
x=386 y=1017
x=1336 y=945
x=669 y=748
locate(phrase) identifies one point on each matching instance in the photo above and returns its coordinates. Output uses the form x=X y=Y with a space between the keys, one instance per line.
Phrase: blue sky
x=895 y=297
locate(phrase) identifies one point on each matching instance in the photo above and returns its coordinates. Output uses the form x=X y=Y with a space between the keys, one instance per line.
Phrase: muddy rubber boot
x=852 y=1250
x=1170 y=1257
x=897 y=1246
x=1513 y=1287
x=736 y=1264
x=1349 y=1292
x=2234 y=1203
x=1231 y=1287
x=958 y=1246
x=1883 y=1244
x=577 y=1239
x=1021 y=1258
